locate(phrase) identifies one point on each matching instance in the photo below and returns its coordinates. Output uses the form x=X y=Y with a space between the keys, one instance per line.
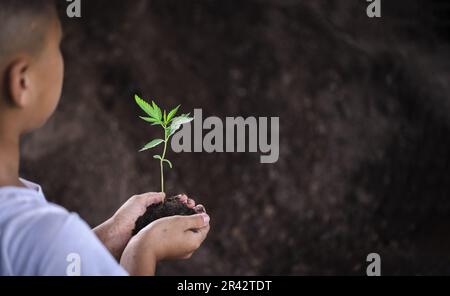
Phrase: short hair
x=23 y=25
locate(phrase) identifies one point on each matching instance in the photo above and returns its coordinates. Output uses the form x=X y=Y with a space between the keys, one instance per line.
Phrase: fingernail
x=200 y=209
x=182 y=198
x=206 y=218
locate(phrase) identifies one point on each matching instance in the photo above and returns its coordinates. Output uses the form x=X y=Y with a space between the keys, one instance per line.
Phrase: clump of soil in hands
x=172 y=206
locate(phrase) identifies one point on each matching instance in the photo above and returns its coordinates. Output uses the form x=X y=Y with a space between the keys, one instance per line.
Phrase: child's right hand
x=175 y=237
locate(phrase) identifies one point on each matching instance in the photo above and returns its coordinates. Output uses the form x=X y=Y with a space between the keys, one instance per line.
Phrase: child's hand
x=116 y=232
x=175 y=237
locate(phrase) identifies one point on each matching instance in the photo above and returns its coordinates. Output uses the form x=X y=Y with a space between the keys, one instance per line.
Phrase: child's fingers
x=150 y=198
x=198 y=236
x=186 y=200
x=183 y=198
x=200 y=209
x=195 y=221
x=205 y=232
x=188 y=256
x=190 y=203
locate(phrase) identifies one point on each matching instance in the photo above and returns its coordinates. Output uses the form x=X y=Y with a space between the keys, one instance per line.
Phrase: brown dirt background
x=364 y=145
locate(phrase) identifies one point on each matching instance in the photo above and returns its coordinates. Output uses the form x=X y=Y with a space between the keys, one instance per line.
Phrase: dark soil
x=171 y=207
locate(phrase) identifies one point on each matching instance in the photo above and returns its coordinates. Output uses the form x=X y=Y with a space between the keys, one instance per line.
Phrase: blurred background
x=364 y=113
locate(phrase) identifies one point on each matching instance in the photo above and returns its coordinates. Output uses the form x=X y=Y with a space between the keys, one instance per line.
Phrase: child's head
x=31 y=64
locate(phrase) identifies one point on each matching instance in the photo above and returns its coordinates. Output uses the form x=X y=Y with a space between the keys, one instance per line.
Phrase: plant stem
x=161 y=163
x=163 y=156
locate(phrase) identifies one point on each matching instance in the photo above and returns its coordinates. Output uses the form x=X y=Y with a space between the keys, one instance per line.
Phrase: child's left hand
x=115 y=233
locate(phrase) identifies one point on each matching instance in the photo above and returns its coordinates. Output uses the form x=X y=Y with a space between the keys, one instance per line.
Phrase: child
x=41 y=238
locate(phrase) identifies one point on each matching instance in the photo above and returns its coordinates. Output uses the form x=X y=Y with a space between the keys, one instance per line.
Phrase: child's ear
x=18 y=82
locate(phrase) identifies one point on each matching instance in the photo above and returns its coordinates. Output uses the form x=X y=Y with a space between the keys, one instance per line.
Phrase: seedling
x=169 y=122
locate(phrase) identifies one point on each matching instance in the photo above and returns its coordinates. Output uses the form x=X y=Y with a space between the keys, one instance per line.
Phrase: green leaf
x=144 y=105
x=166 y=133
x=150 y=119
x=173 y=129
x=177 y=122
x=164 y=160
x=152 y=144
x=182 y=119
x=172 y=113
x=168 y=162
x=165 y=117
x=158 y=113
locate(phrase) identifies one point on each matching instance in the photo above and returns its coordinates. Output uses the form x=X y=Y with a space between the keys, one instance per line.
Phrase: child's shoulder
x=33 y=230
x=21 y=207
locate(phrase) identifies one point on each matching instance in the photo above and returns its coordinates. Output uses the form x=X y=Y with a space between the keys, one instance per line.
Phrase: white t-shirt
x=41 y=238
